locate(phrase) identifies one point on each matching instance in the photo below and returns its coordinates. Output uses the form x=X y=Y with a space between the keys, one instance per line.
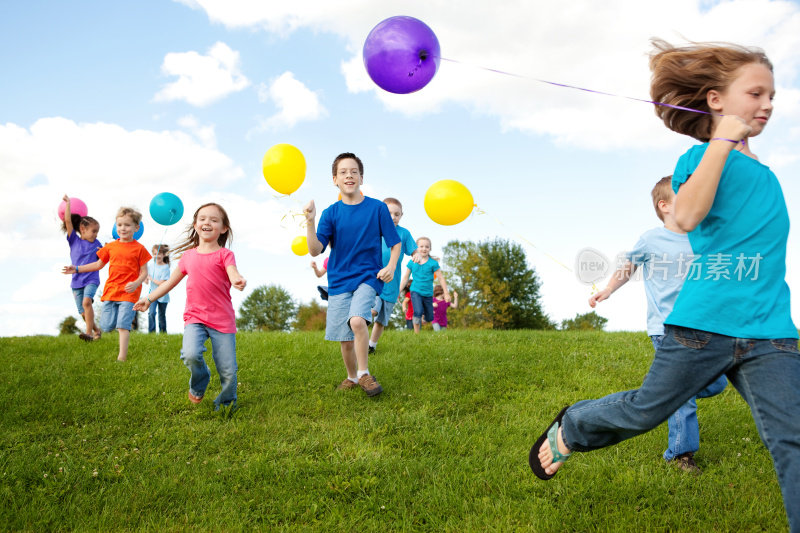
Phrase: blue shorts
x=116 y=315
x=384 y=310
x=84 y=292
x=342 y=307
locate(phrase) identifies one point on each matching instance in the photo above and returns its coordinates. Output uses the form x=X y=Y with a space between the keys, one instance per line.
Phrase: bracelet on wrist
x=148 y=300
x=77 y=269
x=734 y=141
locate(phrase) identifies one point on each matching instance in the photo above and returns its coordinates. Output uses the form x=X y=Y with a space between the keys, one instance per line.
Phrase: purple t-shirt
x=83 y=252
x=440 y=312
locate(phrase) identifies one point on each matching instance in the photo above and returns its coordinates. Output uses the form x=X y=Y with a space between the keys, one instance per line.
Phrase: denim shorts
x=84 y=292
x=116 y=315
x=342 y=307
x=384 y=310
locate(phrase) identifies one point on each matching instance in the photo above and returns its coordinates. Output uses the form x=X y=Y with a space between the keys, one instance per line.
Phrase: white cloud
x=295 y=102
x=597 y=46
x=202 y=79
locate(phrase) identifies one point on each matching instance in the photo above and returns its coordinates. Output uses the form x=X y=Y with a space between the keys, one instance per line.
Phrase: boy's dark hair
x=662 y=191
x=347 y=155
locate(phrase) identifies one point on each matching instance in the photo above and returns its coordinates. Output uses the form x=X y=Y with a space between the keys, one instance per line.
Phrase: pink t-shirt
x=208 y=289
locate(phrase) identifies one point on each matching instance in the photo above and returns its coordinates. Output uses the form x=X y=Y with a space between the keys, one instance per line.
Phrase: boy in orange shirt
x=127 y=271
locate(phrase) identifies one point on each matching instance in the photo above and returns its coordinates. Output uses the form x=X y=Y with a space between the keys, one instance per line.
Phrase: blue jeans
x=684 y=430
x=765 y=372
x=423 y=306
x=223 y=349
x=162 y=317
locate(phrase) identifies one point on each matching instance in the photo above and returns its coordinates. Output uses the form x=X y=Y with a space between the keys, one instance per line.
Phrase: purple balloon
x=401 y=55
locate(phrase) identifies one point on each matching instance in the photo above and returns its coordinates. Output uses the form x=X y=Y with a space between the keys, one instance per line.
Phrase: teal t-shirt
x=422 y=276
x=391 y=290
x=736 y=286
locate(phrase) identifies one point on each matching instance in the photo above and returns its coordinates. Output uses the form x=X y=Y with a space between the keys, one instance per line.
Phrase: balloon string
x=579 y=88
x=478 y=211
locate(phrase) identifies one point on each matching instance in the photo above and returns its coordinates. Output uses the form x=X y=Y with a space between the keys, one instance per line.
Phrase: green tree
x=310 y=317
x=496 y=288
x=268 y=307
x=68 y=327
x=585 y=321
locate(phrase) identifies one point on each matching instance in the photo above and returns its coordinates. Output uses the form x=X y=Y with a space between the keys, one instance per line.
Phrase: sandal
x=551 y=435
x=85 y=337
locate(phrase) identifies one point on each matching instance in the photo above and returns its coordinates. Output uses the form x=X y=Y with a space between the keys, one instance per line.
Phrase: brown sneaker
x=347 y=384
x=195 y=399
x=685 y=462
x=370 y=385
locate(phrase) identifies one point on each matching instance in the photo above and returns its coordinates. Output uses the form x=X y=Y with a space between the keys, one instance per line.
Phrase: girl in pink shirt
x=209 y=312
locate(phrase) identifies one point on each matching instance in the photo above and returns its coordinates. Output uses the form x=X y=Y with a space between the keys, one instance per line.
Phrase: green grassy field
x=91 y=444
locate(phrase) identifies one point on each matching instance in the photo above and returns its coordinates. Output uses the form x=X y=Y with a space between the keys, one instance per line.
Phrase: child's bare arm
x=68 y=215
x=619 y=278
x=314 y=246
x=237 y=281
x=454 y=303
x=318 y=271
x=133 y=285
x=386 y=274
x=443 y=284
x=145 y=301
x=88 y=267
x=404 y=279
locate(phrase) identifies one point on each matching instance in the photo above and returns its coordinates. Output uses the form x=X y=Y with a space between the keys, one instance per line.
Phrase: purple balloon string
x=578 y=88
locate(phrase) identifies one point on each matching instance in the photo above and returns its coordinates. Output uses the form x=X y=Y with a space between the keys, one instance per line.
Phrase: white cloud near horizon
x=202 y=79
x=295 y=102
x=600 y=47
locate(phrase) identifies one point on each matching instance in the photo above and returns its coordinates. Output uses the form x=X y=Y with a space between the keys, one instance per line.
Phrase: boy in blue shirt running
x=384 y=304
x=665 y=255
x=355 y=227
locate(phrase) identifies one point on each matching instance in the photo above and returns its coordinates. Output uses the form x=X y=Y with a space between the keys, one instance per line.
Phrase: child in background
x=158 y=273
x=440 y=306
x=323 y=289
x=83 y=245
x=422 y=286
x=209 y=312
x=738 y=324
x=408 y=307
x=664 y=254
x=385 y=302
x=353 y=226
x=127 y=260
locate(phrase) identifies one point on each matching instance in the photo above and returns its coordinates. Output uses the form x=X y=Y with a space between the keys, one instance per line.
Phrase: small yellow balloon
x=300 y=245
x=448 y=202
x=284 y=168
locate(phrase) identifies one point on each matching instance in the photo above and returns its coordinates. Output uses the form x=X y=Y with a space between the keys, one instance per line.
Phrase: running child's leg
x=194 y=338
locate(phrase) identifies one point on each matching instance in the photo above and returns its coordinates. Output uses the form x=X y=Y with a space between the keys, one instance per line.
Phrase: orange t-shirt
x=124 y=261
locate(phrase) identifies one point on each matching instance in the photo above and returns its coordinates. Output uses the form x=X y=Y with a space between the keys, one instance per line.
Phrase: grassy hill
x=91 y=444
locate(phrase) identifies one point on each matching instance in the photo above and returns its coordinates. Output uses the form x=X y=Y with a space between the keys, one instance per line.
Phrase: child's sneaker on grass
x=370 y=385
x=347 y=384
x=685 y=462
x=372 y=350
x=195 y=399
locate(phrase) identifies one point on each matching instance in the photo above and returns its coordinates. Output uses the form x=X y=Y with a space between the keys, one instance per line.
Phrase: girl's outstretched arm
x=237 y=281
x=443 y=283
x=454 y=305
x=404 y=280
x=68 y=215
x=88 y=267
x=145 y=301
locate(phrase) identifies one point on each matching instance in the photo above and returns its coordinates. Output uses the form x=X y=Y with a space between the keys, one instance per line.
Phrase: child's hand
x=599 y=297
x=132 y=286
x=239 y=283
x=66 y=198
x=416 y=257
x=310 y=211
x=142 y=305
x=314 y=265
x=386 y=274
x=732 y=127
x=69 y=269
x=455 y=295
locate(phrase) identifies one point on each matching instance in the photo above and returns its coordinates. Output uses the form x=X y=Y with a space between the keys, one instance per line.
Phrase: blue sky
x=116 y=102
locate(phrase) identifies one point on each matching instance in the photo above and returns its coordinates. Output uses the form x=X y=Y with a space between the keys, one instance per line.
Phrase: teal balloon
x=166 y=208
x=136 y=236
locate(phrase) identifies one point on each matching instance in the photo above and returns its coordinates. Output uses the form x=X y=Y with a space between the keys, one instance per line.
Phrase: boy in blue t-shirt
x=384 y=304
x=354 y=227
x=665 y=256
x=423 y=274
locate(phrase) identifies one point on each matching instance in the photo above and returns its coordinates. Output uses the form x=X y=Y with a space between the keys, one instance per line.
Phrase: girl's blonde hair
x=193 y=239
x=135 y=215
x=682 y=76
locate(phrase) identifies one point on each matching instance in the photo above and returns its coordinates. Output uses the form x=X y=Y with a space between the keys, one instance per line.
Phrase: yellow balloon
x=300 y=245
x=448 y=202
x=284 y=168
